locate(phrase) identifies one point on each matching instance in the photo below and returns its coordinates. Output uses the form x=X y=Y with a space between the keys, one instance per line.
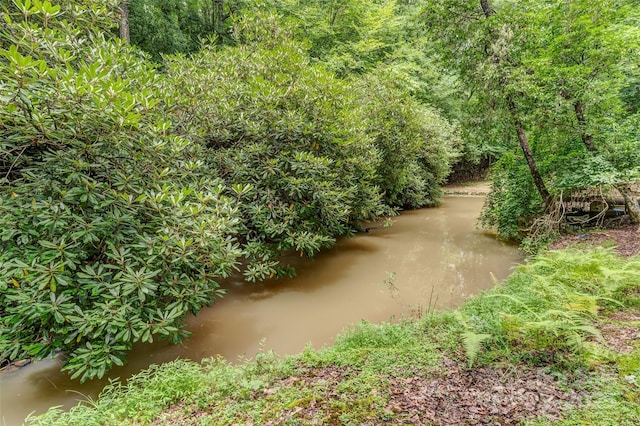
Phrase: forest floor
x=626 y=239
x=457 y=396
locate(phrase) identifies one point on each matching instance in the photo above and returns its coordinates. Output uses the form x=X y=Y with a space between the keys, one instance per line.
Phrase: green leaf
x=472 y=344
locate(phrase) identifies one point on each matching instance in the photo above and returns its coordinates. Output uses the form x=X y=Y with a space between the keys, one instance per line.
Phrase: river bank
x=480 y=187
x=429 y=258
x=555 y=343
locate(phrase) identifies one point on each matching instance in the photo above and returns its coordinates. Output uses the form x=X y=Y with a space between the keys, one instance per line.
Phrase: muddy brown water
x=428 y=258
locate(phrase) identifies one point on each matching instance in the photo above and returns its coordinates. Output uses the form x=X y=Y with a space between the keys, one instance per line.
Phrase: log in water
x=428 y=258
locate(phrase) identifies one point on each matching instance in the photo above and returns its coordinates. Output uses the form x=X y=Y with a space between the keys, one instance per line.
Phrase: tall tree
x=124 y=21
x=349 y=36
x=585 y=58
x=484 y=47
x=560 y=70
x=175 y=26
x=501 y=58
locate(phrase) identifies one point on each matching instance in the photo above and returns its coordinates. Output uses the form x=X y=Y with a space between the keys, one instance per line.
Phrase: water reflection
x=431 y=257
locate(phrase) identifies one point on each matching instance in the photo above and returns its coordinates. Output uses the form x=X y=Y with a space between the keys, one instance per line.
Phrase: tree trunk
x=630 y=203
x=220 y=16
x=587 y=138
x=528 y=155
x=124 y=21
x=522 y=136
x=486 y=8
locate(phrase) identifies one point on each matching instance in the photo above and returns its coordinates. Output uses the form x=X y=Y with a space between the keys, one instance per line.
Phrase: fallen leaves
x=626 y=239
x=480 y=396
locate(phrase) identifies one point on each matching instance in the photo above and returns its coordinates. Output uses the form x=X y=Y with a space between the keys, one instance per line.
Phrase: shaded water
x=429 y=257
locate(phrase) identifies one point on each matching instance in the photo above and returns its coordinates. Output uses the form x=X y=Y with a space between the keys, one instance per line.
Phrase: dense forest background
x=149 y=148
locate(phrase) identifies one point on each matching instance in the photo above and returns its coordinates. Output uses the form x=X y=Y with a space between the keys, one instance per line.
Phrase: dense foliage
x=161 y=27
x=417 y=145
x=286 y=136
x=111 y=231
x=305 y=153
x=555 y=80
x=129 y=192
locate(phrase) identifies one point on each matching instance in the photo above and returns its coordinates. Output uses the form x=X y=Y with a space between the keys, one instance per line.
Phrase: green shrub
x=287 y=137
x=415 y=142
x=546 y=309
x=513 y=202
x=111 y=229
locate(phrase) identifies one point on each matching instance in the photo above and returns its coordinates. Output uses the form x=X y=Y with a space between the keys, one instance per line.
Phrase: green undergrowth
x=545 y=314
x=614 y=395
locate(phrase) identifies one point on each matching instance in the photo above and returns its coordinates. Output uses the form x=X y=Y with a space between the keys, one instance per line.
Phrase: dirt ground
x=458 y=396
x=626 y=239
x=481 y=396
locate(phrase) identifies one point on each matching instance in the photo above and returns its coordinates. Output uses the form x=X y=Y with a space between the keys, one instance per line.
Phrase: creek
x=429 y=258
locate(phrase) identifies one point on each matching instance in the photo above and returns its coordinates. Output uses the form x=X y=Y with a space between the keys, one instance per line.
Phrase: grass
x=614 y=398
x=544 y=315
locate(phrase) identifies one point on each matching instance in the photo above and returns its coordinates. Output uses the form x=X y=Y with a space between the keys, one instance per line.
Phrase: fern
x=472 y=344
